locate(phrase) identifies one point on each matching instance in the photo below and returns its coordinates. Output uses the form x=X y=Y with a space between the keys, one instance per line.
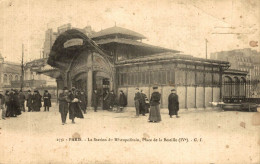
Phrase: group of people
x=109 y=101
x=12 y=102
x=73 y=102
x=34 y=101
x=142 y=104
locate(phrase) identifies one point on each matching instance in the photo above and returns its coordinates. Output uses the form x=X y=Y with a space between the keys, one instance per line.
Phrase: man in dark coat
x=106 y=100
x=142 y=103
x=137 y=100
x=13 y=104
x=7 y=103
x=29 y=101
x=173 y=104
x=2 y=103
x=122 y=102
x=64 y=104
x=46 y=100
x=17 y=105
x=95 y=99
x=36 y=101
x=74 y=107
x=111 y=100
x=21 y=100
x=83 y=101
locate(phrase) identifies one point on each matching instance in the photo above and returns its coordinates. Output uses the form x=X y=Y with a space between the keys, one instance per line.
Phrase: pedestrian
x=106 y=100
x=21 y=100
x=13 y=108
x=7 y=103
x=111 y=100
x=142 y=103
x=17 y=104
x=173 y=104
x=46 y=100
x=155 y=115
x=147 y=105
x=74 y=107
x=83 y=101
x=137 y=100
x=36 y=101
x=2 y=103
x=95 y=99
x=122 y=101
x=64 y=104
x=29 y=101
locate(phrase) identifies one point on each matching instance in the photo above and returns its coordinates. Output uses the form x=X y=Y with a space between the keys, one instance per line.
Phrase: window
x=16 y=78
x=147 y=75
x=200 y=78
x=216 y=79
x=190 y=78
x=140 y=78
x=5 y=78
x=208 y=78
x=180 y=77
x=163 y=77
x=10 y=78
x=151 y=77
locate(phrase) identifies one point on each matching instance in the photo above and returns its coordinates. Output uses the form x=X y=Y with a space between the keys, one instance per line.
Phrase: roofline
x=117 y=40
x=171 y=59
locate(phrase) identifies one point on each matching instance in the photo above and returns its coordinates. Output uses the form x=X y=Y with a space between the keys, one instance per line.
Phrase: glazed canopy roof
x=68 y=45
x=112 y=31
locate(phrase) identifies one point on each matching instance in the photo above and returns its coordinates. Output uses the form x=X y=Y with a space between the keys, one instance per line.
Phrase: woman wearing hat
x=155 y=115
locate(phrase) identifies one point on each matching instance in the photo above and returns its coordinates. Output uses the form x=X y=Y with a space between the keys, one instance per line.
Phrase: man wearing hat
x=137 y=100
x=21 y=100
x=46 y=100
x=2 y=103
x=122 y=102
x=155 y=115
x=37 y=101
x=173 y=104
x=29 y=101
x=63 y=104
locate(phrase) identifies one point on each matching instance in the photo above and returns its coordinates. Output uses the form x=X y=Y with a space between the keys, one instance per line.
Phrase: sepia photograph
x=129 y=82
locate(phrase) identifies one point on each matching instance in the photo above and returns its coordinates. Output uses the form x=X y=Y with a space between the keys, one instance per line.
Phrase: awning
x=68 y=45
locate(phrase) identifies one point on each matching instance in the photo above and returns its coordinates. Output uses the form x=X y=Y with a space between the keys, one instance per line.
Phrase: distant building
x=241 y=59
x=9 y=71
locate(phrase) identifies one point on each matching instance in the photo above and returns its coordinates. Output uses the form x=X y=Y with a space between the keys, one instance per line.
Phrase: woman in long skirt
x=155 y=115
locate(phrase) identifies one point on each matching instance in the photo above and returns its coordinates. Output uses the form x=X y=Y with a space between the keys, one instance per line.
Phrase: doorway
x=102 y=85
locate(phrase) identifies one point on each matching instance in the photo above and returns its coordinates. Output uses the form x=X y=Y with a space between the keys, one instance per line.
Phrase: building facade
x=117 y=59
x=9 y=72
x=246 y=60
x=241 y=59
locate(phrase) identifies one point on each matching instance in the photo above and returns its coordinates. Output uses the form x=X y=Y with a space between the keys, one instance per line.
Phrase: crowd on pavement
x=12 y=102
x=74 y=102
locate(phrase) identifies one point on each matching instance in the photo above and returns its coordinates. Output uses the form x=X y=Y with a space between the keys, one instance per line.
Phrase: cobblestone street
x=109 y=137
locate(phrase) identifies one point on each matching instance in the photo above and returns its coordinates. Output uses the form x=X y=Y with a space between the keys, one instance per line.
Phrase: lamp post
x=22 y=69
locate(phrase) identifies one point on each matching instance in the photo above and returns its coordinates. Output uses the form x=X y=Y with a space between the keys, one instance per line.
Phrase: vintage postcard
x=129 y=81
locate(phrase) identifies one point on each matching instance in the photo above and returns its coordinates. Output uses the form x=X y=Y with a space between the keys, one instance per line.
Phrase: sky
x=183 y=25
